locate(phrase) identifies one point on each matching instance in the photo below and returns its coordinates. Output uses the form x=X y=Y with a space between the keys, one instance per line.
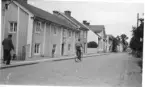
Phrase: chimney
x=67 y=13
x=55 y=12
x=86 y=23
x=25 y=1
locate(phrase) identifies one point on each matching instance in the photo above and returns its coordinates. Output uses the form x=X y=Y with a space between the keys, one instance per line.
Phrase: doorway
x=62 y=49
x=84 y=47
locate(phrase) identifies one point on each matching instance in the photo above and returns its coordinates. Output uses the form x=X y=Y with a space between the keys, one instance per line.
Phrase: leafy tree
x=136 y=43
x=114 y=44
x=124 y=42
x=92 y=44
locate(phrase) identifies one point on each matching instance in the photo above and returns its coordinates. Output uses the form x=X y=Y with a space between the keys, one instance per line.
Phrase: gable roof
x=82 y=26
x=44 y=14
x=97 y=28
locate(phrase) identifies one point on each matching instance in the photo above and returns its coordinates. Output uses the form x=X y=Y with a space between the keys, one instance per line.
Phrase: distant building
x=82 y=27
x=100 y=31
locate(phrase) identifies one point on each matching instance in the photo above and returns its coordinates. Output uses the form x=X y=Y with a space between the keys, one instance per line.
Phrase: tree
x=136 y=43
x=92 y=44
x=124 y=42
x=114 y=44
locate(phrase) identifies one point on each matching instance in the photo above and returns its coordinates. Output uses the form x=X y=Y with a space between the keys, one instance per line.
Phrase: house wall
x=11 y=15
x=84 y=40
x=19 y=38
x=71 y=41
x=22 y=36
x=29 y=37
x=37 y=38
x=47 y=51
x=101 y=42
x=109 y=45
x=3 y=19
x=55 y=39
x=2 y=25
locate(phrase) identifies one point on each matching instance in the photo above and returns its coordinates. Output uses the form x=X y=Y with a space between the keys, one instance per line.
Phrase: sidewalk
x=133 y=75
x=43 y=59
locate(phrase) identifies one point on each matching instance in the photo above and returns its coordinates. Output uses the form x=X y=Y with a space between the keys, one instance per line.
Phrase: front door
x=84 y=47
x=62 y=49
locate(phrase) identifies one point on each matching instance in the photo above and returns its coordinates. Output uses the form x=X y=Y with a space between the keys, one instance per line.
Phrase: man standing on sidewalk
x=7 y=47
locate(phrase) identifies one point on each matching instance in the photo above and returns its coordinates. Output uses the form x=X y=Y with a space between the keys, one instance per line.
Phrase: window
x=13 y=27
x=54 y=45
x=55 y=28
x=37 y=48
x=69 y=45
x=38 y=27
x=69 y=33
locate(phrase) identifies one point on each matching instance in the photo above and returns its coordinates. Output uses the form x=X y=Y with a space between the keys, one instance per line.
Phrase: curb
x=44 y=60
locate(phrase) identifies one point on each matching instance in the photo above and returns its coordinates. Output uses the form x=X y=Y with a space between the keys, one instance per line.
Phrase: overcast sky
x=118 y=17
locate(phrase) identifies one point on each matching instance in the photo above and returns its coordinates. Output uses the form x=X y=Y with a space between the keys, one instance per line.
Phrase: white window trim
x=39 y=49
x=36 y=27
x=13 y=27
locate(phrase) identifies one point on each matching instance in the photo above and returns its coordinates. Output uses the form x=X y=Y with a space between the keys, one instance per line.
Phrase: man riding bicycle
x=78 y=46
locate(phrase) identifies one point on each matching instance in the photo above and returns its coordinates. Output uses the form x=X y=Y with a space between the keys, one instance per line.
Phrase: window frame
x=37 y=52
x=14 y=29
x=69 y=33
x=38 y=30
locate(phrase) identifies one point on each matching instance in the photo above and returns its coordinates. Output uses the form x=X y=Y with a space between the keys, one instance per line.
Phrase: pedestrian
x=53 y=50
x=78 y=47
x=7 y=47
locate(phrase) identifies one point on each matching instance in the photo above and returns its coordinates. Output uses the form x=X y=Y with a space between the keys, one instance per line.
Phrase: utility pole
x=137 y=19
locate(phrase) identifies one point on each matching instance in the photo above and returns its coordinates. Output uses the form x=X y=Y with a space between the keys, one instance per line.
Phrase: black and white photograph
x=72 y=43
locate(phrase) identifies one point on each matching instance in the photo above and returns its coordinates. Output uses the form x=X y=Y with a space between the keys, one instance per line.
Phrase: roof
x=97 y=28
x=109 y=35
x=44 y=14
x=77 y=22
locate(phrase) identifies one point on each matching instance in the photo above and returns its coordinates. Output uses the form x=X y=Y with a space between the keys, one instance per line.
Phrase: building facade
x=82 y=27
x=102 y=42
x=109 y=43
x=36 y=31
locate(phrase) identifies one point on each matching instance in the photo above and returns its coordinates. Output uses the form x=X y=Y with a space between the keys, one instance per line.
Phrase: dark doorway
x=84 y=47
x=62 y=49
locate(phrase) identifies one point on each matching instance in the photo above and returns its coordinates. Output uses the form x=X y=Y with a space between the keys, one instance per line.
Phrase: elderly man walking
x=7 y=47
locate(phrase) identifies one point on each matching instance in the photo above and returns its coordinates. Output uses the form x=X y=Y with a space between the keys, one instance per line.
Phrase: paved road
x=101 y=71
